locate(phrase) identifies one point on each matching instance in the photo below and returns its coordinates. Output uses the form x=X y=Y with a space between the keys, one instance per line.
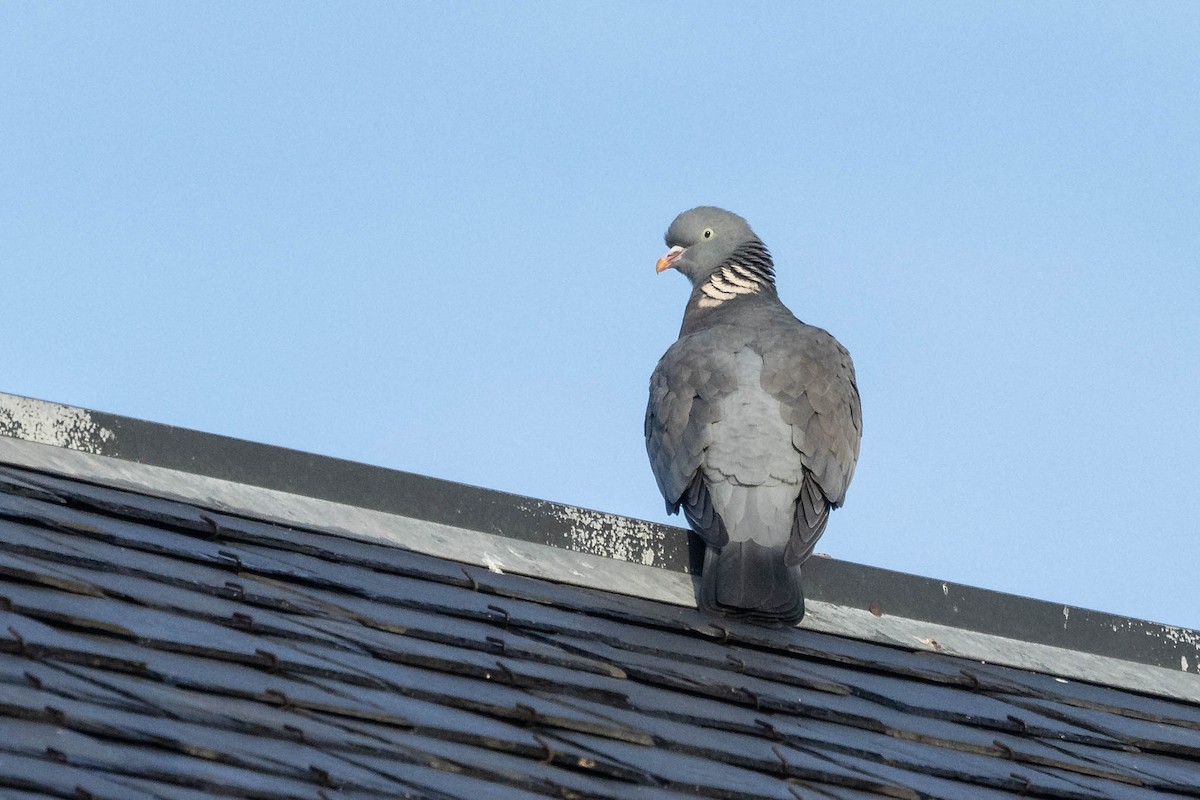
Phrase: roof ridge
x=540 y=538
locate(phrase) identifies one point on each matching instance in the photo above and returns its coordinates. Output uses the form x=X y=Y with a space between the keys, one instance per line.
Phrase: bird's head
x=704 y=239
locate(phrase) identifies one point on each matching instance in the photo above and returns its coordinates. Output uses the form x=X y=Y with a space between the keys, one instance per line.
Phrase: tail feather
x=748 y=581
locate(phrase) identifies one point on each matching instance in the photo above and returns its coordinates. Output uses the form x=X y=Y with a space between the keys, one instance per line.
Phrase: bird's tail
x=750 y=582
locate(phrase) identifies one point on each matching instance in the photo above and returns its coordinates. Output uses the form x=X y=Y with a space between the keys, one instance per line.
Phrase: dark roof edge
x=574 y=545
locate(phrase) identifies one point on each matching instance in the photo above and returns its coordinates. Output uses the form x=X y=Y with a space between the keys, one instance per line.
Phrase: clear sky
x=423 y=236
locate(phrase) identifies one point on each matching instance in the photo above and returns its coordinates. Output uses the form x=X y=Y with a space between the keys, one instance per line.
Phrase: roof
x=187 y=616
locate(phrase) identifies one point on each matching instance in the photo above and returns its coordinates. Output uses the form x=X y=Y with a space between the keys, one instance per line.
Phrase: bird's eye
x=708 y=233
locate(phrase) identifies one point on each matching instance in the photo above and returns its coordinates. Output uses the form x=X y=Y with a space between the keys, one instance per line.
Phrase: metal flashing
x=511 y=534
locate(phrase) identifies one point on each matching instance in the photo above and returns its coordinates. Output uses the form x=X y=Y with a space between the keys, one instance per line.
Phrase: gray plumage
x=753 y=423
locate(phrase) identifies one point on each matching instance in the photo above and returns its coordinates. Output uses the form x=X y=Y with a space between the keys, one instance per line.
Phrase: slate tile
x=497 y=700
x=121 y=532
x=93 y=762
x=1145 y=734
x=24 y=776
x=187 y=653
x=688 y=772
x=1153 y=769
x=1105 y=698
x=968 y=785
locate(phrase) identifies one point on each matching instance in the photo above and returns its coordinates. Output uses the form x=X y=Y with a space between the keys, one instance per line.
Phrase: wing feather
x=685 y=393
x=812 y=377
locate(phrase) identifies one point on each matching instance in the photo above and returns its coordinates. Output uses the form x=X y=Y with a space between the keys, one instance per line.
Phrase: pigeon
x=753 y=424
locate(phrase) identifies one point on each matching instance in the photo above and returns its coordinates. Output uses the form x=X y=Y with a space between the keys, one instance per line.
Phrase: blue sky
x=423 y=236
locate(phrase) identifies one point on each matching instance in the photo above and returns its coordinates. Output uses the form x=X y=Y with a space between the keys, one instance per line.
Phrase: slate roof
x=156 y=648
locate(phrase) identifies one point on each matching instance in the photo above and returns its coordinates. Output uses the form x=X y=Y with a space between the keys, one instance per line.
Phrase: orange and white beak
x=668 y=261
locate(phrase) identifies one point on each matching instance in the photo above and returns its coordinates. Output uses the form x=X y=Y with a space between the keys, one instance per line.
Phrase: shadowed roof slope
x=156 y=648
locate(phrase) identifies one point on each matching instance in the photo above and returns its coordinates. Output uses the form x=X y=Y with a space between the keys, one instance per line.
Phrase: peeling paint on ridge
x=607 y=535
x=53 y=424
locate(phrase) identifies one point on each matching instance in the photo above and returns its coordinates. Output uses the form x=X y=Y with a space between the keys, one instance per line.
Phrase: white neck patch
x=726 y=284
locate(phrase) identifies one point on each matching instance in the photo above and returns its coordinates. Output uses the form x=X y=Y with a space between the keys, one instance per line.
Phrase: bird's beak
x=668 y=261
